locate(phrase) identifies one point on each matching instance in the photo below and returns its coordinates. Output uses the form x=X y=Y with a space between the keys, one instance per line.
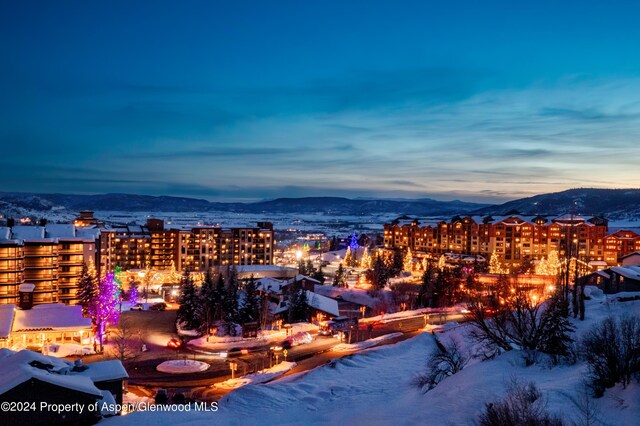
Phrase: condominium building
x=49 y=257
x=195 y=248
x=512 y=238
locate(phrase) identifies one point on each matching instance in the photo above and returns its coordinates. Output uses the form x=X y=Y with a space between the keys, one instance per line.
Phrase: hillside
x=613 y=203
x=14 y=201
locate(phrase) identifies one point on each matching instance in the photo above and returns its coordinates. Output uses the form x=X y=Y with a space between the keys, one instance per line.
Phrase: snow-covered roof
x=21 y=232
x=16 y=368
x=315 y=301
x=631 y=272
x=50 y=316
x=89 y=233
x=6 y=320
x=301 y=277
x=635 y=253
x=60 y=230
x=270 y=285
x=103 y=371
x=357 y=296
x=5 y=233
x=26 y=287
x=323 y=303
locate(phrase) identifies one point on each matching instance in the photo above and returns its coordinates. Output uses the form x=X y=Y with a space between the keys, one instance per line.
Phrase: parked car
x=137 y=307
x=174 y=343
x=234 y=352
x=158 y=306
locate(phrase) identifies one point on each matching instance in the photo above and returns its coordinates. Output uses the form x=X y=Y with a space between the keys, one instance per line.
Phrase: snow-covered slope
x=374 y=388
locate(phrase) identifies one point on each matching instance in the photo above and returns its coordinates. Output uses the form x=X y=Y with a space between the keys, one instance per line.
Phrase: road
x=145 y=380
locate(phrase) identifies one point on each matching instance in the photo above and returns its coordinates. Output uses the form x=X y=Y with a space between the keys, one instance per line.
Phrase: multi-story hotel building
x=50 y=257
x=512 y=238
x=195 y=248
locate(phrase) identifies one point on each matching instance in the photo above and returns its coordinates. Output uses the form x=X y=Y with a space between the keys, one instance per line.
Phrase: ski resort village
x=496 y=320
x=358 y=213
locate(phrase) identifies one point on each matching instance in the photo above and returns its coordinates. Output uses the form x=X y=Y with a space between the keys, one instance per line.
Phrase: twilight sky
x=239 y=100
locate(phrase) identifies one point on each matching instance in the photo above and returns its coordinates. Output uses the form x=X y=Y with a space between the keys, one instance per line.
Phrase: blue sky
x=481 y=101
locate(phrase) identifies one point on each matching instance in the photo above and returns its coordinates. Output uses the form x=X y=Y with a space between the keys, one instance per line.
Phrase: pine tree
x=302 y=267
x=88 y=292
x=251 y=308
x=230 y=301
x=348 y=257
x=407 y=264
x=319 y=275
x=339 y=279
x=310 y=268
x=557 y=328
x=495 y=266
x=298 y=306
x=397 y=264
x=209 y=299
x=219 y=298
x=365 y=262
x=189 y=313
x=105 y=309
x=379 y=274
x=133 y=292
x=425 y=294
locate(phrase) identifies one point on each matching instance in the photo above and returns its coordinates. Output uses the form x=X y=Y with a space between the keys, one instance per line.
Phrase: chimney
x=26 y=296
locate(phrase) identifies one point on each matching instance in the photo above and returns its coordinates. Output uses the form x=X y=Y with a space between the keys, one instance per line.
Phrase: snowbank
x=374 y=387
x=182 y=366
x=223 y=343
x=256 y=378
x=346 y=347
x=62 y=350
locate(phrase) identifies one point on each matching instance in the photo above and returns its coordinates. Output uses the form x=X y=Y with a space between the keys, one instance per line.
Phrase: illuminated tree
x=105 y=309
x=365 y=261
x=133 y=292
x=348 y=257
x=549 y=266
x=442 y=262
x=495 y=266
x=407 y=264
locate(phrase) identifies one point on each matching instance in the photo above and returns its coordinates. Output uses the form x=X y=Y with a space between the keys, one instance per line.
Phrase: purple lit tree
x=133 y=293
x=105 y=309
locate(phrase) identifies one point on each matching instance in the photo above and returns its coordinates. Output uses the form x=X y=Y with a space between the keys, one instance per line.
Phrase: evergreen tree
x=230 y=301
x=495 y=266
x=319 y=275
x=407 y=263
x=380 y=273
x=556 y=339
x=209 y=299
x=133 y=292
x=365 y=262
x=298 y=306
x=189 y=313
x=348 y=257
x=88 y=286
x=425 y=294
x=339 y=278
x=302 y=267
x=397 y=264
x=251 y=308
x=218 y=301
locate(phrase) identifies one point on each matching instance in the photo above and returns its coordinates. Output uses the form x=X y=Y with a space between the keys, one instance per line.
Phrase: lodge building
x=514 y=238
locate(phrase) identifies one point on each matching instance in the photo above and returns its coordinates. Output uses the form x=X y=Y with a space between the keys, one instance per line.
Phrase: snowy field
x=375 y=387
